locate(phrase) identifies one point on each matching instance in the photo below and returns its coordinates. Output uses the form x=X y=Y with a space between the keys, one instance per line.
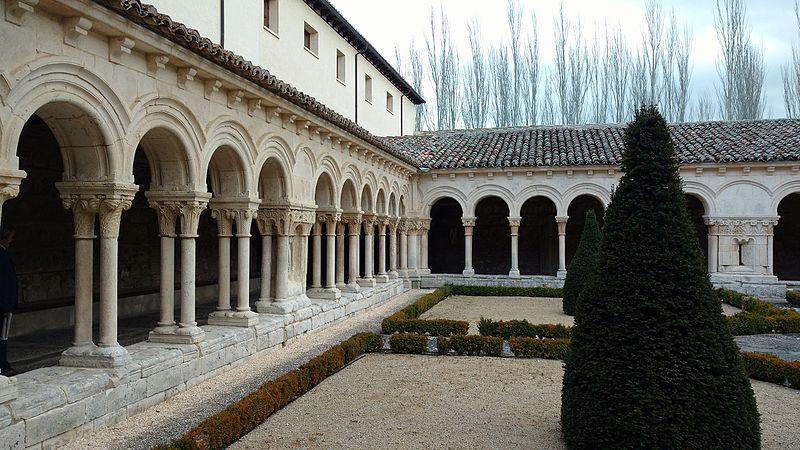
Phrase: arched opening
x=787 y=239
x=367 y=251
x=491 y=239
x=696 y=212
x=576 y=211
x=272 y=191
x=349 y=204
x=446 y=237
x=538 y=237
x=324 y=197
x=272 y=184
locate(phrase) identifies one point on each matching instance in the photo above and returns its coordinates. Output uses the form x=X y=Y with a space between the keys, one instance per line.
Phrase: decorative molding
x=253 y=105
x=185 y=74
x=74 y=29
x=224 y=219
x=118 y=47
x=741 y=226
x=235 y=97
x=16 y=10
x=210 y=87
x=167 y=213
x=156 y=63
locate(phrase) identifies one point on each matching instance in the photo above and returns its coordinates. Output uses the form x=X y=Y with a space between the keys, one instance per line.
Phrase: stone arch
x=393 y=205
x=703 y=193
x=577 y=208
x=697 y=209
x=380 y=202
x=231 y=170
x=491 y=238
x=792 y=187
x=328 y=164
x=349 y=197
x=539 y=190
x=744 y=198
x=538 y=236
x=489 y=191
x=325 y=192
x=786 y=245
x=601 y=193
x=84 y=114
x=440 y=192
x=273 y=187
x=367 y=201
x=401 y=206
x=446 y=236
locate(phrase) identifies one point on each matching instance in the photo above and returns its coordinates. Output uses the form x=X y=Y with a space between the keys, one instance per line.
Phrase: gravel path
x=177 y=414
x=391 y=401
x=536 y=310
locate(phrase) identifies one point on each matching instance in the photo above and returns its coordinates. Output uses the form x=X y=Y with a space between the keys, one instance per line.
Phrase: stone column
x=713 y=245
x=382 y=276
x=771 y=249
x=188 y=332
x=224 y=233
x=340 y=237
x=514 y=224
x=403 y=227
x=330 y=220
x=393 y=248
x=84 y=212
x=561 y=221
x=266 y=229
x=469 y=225
x=424 y=228
x=413 y=248
x=167 y=213
x=369 y=252
x=10 y=180
x=282 y=268
x=316 y=258
x=353 y=222
x=244 y=223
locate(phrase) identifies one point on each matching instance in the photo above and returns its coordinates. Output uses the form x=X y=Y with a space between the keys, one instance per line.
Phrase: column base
x=8 y=389
x=513 y=274
x=366 y=282
x=424 y=271
x=402 y=273
x=233 y=318
x=94 y=356
x=468 y=272
x=285 y=306
x=326 y=293
x=561 y=273
x=393 y=275
x=177 y=335
x=351 y=288
x=382 y=278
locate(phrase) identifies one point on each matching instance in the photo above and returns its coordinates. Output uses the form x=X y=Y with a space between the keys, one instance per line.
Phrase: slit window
x=310 y=38
x=340 y=66
x=271 y=15
x=368 y=88
x=390 y=103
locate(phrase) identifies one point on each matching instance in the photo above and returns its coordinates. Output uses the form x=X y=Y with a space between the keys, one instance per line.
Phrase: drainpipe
x=401 y=113
x=355 y=84
x=222 y=23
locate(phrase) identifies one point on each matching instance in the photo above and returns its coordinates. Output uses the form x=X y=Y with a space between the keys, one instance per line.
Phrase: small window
x=271 y=15
x=368 y=88
x=340 y=66
x=390 y=103
x=310 y=38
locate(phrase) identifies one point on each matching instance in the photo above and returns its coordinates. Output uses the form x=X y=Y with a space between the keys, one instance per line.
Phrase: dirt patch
x=400 y=401
x=535 y=309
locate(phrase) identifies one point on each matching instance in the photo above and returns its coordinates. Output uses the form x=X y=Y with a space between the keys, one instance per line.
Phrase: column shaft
x=403 y=250
x=713 y=246
x=468 y=270
x=167 y=281
x=243 y=273
x=340 y=236
x=224 y=282
x=382 y=253
x=316 y=259
x=282 y=269
x=108 y=292
x=354 y=263
x=187 y=282
x=330 y=269
x=266 y=268
x=84 y=265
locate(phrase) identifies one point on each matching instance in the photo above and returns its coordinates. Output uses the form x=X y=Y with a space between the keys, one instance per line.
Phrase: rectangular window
x=340 y=66
x=271 y=15
x=390 y=103
x=310 y=38
x=368 y=88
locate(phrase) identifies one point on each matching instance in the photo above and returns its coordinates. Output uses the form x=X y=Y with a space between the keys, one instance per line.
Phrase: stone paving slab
x=784 y=346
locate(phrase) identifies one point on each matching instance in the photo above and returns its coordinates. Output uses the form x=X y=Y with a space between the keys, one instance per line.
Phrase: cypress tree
x=652 y=364
x=583 y=263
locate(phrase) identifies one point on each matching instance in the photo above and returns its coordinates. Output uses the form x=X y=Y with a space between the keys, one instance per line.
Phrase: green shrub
x=766 y=367
x=793 y=297
x=582 y=265
x=434 y=327
x=412 y=343
x=507 y=329
x=527 y=347
x=652 y=363
x=759 y=317
x=744 y=323
x=470 y=345
x=507 y=291
x=394 y=323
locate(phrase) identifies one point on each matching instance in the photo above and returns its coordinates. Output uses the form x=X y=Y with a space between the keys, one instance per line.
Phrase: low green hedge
x=507 y=291
x=765 y=367
x=758 y=316
x=793 y=297
x=508 y=328
x=527 y=347
x=227 y=426
x=406 y=320
x=470 y=345
x=413 y=343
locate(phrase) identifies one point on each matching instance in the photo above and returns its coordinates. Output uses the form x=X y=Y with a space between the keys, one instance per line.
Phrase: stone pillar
x=413 y=248
x=713 y=245
x=382 y=276
x=167 y=213
x=403 y=227
x=340 y=237
x=10 y=180
x=282 y=268
x=561 y=221
x=469 y=226
x=369 y=251
x=424 y=228
x=514 y=224
x=316 y=258
x=266 y=229
x=244 y=223
x=224 y=233
x=330 y=220
x=188 y=332
x=353 y=222
x=393 y=248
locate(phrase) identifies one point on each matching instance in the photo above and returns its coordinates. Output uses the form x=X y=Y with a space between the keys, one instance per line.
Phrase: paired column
x=514 y=224
x=382 y=276
x=353 y=223
x=413 y=248
x=424 y=228
x=469 y=226
x=266 y=229
x=403 y=227
x=713 y=245
x=108 y=204
x=167 y=213
x=329 y=220
x=561 y=221
x=340 y=237
x=393 y=223
x=368 y=280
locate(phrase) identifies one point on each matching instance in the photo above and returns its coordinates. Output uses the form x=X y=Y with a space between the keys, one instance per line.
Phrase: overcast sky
x=390 y=23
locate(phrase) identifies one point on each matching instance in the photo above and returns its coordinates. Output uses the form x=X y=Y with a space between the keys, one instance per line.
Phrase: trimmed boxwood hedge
x=770 y=368
x=227 y=426
x=758 y=316
x=527 y=347
x=406 y=320
x=470 y=345
x=507 y=291
x=413 y=343
x=793 y=297
x=508 y=328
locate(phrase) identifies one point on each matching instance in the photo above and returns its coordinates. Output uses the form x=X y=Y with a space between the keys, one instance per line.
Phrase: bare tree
x=599 y=78
x=502 y=87
x=619 y=60
x=791 y=74
x=741 y=67
x=571 y=69
x=653 y=50
x=703 y=109
x=517 y=57
x=414 y=71
x=443 y=71
x=531 y=76
x=475 y=105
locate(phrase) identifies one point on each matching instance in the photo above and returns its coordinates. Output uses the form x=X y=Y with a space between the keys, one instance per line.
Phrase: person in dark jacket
x=8 y=297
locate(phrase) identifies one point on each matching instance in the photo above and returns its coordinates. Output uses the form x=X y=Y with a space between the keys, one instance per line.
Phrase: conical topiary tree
x=652 y=364
x=583 y=263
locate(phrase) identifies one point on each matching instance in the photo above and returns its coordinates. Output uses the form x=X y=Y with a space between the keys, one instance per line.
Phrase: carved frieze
x=741 y=226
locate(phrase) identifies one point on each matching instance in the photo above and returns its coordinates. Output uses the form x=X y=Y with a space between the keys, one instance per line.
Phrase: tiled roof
x=583 y=145
x=148 y=17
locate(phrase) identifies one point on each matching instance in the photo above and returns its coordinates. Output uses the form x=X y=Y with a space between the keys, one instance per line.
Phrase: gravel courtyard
x=400 y=401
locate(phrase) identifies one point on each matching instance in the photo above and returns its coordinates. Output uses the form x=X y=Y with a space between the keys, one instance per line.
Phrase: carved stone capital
x=369 y=222
x=83 y=213
x=514 y=222
x=330 y=219
x=110 y=211
x=561 y=222
x=167 y=213
x=286 y=221
x=741 y=226
x=224 y=219
x=190 y=216
x=424 y=224
x=353 y=222
x=88 y=198
x=394 y=223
